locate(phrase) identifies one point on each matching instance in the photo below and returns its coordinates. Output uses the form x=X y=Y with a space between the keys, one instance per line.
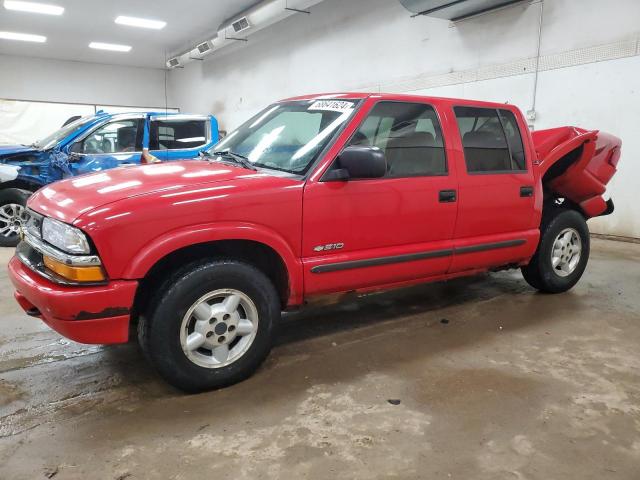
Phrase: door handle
x=447 y=196
x=526 y=191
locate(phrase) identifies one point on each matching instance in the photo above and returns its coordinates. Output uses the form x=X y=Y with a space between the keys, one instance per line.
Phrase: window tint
x=487 y=148
x=114 y=137
x=409 y=134
x=514 y=139
x=177 y=134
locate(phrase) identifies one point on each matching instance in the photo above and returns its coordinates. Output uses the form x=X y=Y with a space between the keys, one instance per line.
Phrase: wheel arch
x=257 y=247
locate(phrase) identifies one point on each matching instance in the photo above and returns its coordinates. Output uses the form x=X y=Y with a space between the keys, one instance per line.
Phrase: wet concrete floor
x=494 y=381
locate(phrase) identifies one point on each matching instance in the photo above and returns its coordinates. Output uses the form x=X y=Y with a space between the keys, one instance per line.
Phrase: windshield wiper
x=232 y=156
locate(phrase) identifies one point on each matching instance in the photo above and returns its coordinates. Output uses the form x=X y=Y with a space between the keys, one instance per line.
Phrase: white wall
x=374 y=44
x=47 y=80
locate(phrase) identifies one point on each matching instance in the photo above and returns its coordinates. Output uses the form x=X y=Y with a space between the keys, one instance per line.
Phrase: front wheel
x=12 y=215
x=562 y=253
x=211 y=325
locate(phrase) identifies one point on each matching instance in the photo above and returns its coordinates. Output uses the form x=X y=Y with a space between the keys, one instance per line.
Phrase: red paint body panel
x=63 y=308
x=137 y=216
x=585 y=180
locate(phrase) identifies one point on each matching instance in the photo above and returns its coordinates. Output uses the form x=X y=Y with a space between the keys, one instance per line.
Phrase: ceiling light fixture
x=33 y=7
x=113 y=47
x=23 y=37
x=140 y=22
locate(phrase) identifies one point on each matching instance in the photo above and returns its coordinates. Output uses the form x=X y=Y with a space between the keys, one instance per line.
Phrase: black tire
x=159 y=332
x=540 y=273
x=11 y=196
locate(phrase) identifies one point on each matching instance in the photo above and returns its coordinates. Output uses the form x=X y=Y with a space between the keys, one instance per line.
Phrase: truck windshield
x=58 y=135
x=288 y=136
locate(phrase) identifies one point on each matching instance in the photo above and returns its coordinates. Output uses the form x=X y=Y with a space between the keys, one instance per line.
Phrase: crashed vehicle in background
x=92 y=144
x=202 y=256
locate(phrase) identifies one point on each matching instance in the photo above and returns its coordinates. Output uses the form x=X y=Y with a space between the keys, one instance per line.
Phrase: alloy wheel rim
x=566 y=252
x=11 y=219
x=219 y=328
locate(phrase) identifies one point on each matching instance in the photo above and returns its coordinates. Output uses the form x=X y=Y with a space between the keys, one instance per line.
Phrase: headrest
x=413 y=140
x=483 y=140
x=126 y=136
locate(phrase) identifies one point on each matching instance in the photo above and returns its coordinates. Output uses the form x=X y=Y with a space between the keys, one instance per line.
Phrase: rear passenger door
x=370 y=232
x=173 y=137
x=496 y=190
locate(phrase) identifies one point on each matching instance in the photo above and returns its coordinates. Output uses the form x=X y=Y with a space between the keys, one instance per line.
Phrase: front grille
x=33 y=223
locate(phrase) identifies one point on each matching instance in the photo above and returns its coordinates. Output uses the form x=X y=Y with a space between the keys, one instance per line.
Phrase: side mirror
x=358 y=161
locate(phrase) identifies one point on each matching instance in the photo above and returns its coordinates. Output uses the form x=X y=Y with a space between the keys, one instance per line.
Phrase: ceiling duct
x=204 y=47
x=239 y=27
x=174 y=62
x=454 y=10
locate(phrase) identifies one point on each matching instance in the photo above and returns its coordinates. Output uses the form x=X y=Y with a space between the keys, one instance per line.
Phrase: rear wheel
x=211 y=325
x=12 y=214
x=562 y=255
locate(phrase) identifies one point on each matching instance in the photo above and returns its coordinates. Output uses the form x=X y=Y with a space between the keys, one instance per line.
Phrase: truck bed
x=577 y=164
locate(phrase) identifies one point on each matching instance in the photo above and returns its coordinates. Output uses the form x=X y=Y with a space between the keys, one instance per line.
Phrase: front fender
x=184 y=237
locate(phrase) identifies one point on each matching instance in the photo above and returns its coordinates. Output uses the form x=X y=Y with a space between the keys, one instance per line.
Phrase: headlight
x=65 y=237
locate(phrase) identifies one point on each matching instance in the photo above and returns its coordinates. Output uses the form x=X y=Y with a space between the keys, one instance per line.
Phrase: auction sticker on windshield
x=332 y=105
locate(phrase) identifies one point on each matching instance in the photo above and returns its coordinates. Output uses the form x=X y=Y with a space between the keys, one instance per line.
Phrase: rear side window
x=491 y=140
x=409 y=134
x=514 y=139
x=177 y=134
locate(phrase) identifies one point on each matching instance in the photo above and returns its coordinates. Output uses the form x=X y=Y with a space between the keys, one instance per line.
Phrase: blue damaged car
x=91 y=144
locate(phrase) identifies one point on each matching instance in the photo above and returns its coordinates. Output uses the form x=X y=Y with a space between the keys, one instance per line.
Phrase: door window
x=491 y=140
x=115 y=137
x=409 y=134
x=514 y=139
x=177 y=134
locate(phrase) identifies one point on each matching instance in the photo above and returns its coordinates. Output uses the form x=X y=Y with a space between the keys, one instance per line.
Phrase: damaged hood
x=68 y=199
x=7 y=151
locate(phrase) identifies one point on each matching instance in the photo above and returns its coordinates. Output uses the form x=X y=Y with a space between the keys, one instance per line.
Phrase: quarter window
x=514 y=139
x=409 y=134
x=491 y=140
x=177 y=134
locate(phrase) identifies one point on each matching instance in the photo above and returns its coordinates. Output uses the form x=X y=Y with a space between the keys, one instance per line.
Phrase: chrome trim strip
x=72 y=260
x=36 y=265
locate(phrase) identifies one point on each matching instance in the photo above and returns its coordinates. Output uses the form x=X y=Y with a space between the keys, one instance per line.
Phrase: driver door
x=363 y=233
x=112 y=144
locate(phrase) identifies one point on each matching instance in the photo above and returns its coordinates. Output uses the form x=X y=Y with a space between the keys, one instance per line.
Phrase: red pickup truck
x=314 y=195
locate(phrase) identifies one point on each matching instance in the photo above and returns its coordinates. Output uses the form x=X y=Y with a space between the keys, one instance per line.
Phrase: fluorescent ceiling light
x=33 y=7
x=23 y=37
x=140 y=22
x=109 y=46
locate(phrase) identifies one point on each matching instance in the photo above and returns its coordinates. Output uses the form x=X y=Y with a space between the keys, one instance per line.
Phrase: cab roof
x=397 y=97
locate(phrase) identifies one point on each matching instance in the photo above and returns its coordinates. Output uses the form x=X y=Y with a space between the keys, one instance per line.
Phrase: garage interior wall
x=33 y=105
x=589 y=68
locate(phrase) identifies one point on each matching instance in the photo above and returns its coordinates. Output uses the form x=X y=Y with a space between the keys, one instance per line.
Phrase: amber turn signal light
x=75 y=274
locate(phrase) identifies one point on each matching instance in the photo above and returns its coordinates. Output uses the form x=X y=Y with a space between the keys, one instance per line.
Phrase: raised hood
x=68 y=199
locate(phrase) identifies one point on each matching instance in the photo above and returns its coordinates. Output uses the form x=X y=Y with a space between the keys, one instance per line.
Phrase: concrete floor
x=516 y=385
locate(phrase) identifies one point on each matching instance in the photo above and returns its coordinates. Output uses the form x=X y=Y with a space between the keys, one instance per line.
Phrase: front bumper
x=98 y=314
